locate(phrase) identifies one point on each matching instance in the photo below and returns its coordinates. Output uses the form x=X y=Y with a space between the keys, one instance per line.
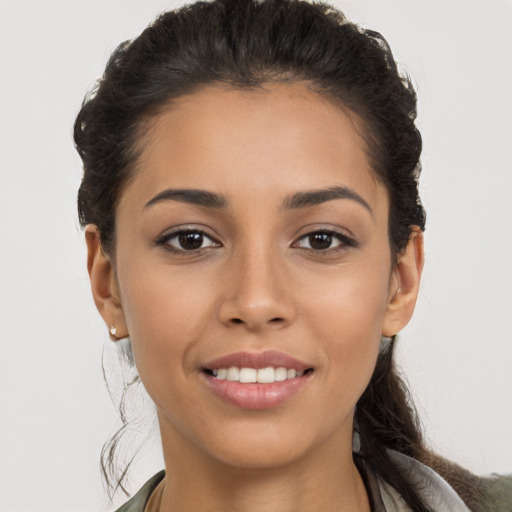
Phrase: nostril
x=275 y=320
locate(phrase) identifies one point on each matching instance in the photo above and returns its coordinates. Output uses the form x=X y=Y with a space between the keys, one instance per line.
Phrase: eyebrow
x=316 y=197
x=191 y=196
x=296 y=201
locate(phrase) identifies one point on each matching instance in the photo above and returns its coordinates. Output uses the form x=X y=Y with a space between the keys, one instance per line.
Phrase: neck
x=326 y=479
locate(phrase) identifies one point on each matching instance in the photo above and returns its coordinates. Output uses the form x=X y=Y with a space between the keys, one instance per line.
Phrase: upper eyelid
x=174 y=234
x=170 y=232
x=330 y=230
x=315 y=227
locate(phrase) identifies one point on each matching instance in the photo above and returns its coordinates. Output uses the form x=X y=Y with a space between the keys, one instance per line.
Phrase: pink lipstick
x=256 y=380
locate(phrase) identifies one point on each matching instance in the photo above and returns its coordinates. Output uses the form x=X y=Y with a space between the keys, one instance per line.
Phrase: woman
x=254 y=227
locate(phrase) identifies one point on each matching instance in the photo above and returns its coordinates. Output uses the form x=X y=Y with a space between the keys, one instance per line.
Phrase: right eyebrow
x=191 y=196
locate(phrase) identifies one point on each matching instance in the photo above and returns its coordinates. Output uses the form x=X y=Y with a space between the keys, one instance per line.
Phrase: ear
x=404 y=285
x=104 y=285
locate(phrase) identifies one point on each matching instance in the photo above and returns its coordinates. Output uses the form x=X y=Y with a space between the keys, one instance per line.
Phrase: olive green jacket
x=435 y=491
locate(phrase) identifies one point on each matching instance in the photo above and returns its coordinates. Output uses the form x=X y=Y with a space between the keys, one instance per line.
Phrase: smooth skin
x=258 y=280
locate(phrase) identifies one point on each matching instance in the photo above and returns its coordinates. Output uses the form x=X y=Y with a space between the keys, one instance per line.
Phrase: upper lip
x=264 y=359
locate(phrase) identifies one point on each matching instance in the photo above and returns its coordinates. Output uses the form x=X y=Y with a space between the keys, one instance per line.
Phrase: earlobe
x=103 y=284
x=405 y=284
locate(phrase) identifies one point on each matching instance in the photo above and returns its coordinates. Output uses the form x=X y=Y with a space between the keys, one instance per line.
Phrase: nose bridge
x=255 y=294
x=258 y=273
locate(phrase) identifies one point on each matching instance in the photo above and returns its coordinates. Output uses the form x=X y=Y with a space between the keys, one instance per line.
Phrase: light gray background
x=457 y=353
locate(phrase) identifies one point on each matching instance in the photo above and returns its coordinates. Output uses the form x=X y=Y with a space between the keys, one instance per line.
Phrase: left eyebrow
x=315 y=197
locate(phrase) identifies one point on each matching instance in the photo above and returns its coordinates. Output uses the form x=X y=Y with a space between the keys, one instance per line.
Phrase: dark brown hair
x=245 y=44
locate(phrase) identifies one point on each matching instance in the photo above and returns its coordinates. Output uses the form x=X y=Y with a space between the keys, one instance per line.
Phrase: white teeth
x=266 y=375
x=248 y=375
x=252 y=375
x=280 y=374
x=233 y=374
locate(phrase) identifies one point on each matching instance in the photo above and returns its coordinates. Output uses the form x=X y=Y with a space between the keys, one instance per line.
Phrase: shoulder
x=138 y=502
x=435 y=491
x=439 y=495
x=500 y=494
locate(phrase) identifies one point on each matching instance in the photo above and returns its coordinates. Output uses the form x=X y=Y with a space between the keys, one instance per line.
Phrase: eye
x=324 y=241
x=187 y=240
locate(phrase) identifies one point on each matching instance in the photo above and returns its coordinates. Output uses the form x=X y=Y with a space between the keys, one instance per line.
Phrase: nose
x=256 y=292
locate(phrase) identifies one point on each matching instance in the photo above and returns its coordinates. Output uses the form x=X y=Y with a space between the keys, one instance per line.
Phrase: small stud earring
x=113 y=330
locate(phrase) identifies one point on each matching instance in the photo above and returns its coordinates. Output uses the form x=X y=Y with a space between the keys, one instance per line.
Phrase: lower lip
x=256 y=396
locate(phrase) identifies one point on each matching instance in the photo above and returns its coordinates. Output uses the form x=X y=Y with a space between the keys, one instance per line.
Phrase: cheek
x=349 y=302
x=166 y=313
x=347 y=318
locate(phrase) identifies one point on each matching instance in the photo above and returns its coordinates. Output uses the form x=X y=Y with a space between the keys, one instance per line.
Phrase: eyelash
x=345 y=241
x=163 y=241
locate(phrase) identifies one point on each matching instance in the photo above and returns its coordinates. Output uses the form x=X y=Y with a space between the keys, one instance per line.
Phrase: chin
x=260 y=457
x=263 y=446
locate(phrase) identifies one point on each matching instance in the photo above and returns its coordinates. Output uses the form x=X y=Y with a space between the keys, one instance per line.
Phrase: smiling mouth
x=267 y=375
x=257 y=381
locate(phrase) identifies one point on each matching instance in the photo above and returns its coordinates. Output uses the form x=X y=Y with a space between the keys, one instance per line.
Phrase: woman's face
x=253 y=235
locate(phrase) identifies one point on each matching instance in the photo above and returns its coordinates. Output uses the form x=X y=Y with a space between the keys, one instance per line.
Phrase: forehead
x=278 y=137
